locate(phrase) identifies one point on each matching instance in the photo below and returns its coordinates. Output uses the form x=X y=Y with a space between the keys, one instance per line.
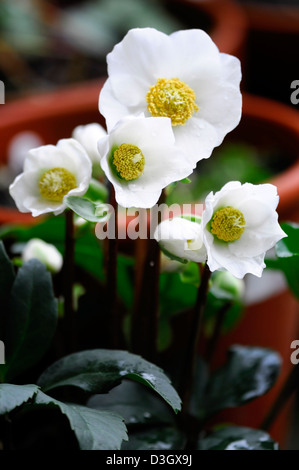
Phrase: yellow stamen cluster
x=128 y=161
x=228 y=224
x=54 y=184
x=171 y=98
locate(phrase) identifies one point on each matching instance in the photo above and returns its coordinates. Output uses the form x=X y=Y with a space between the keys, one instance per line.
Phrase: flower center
x=128 y=161
x=54 y=184
x=173 y=99
x=228 y=224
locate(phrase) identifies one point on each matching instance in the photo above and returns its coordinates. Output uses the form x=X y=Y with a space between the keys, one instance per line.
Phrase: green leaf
x=32 y=318
x=190 y=274
x=289 y=246
x=248 y=373
x=288 y=257
x=175 y=295
x=96 y=191
x=160 y=438
x=172 y=256
x=94 y=429
x=99 y=370
x=185 y=180
x=135 y=403
x=237 y=438
x=87 y=209
x=12 y=396
x=51 y=230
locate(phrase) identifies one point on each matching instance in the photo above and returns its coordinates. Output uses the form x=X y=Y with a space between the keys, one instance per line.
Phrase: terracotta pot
x=274 y=126
x=224 y=20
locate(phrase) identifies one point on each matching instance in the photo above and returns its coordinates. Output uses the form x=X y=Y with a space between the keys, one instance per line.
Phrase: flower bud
x=45 y=253
x=227 y=286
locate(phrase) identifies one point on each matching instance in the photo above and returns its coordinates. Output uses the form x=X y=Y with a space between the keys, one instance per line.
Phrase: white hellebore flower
x=51 y=173
x=183 y=77
x=181 y=239
x=240 y=224
x=88 y=136
x=45 y=253
x=139 y=157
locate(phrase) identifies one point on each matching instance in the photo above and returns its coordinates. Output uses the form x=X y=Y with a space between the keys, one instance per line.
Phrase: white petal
x=45 y=252
x=254 y=242
x=68 y=154
x=173 y=235
x=197 y=57
x=27 y=197
x=112 y=108
x=136 y=63
x=163 y=166
x=138 y=199
x=88 y=136
x=197 y=139
x=177 y=228
x=143 y=132
x=255 y=212
x=25 y=183
x=220 y=257
x=231 y=69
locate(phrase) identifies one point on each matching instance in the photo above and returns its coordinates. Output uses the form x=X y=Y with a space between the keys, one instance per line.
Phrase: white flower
x=139 y=157
x=51 y=173
x=45 y=253
x=181 y=239
x=182 y=76
x=88 y=137
x=240 y=224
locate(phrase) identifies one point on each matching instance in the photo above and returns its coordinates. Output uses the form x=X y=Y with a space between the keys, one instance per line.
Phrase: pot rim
x=28 y=112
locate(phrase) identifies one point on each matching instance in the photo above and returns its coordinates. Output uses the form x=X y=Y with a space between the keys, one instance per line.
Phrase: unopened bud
x=45 y=253
x=227 y=286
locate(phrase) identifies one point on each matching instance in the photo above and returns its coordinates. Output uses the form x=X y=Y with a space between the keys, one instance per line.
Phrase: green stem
x=68 y=273
x=111 y=280
x=145 y=318
x=145 y=315
x=212 y=344
x=189 y=363
x=290 y=386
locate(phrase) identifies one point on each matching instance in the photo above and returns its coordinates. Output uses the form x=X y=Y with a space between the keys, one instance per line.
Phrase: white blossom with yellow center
x=139 y=157
x=183 y=77
x=51 y=173
x=240 y=224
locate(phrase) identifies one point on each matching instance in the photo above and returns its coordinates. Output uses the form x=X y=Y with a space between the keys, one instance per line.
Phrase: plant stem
x=189 y=363
x=145 y=315
x=111 y=273
x=212 y=344
x=68 y=273
x=289 y=387
x=145 y=318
